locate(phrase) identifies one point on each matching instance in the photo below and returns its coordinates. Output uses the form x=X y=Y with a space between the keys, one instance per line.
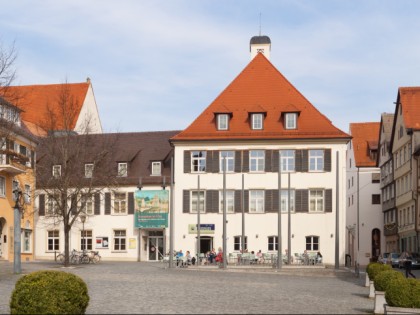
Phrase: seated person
x=318 y=258
x=260 y=258
x=179 y=256
x=188 y=258
x=212 y=256
x=219 y=257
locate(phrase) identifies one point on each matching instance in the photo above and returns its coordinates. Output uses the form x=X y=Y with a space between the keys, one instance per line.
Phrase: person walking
x=408 y=265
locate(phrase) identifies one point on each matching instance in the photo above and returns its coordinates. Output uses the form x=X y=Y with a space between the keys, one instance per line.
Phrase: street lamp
x=83 y=219
x=17 y=197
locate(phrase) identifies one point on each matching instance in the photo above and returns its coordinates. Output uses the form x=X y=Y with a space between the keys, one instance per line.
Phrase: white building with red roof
x=263 y=126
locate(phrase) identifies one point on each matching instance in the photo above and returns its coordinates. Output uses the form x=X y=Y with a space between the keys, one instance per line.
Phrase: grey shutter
x=215 y=162
x=245 y=161
x=305 y=161
x=268 y=167
x=187 y=161
x=186 y=201
x=246 y=200
x=328 y=200
x=212 y=201
x=327 y=160
x=130 y=203
x=275 y=160
x=268 y=195
x=41 y=210
x=238 y=161
x=107 y=203
x=238 y=201
x=32 y=159
x=301 y=200
x=97 y=209
x=298 y=160
x=276 y=200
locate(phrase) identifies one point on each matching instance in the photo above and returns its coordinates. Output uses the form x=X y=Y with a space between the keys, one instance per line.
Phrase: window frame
x=52 y=205
x=55 y=240
x=89 y=170
x=194 y=200
x=290 y=120
x=257 y=121
x=122 y=169
x=56 y=170
x=121 y=244
x=256 y=200
x=315 y=199
x=230 y=161
x=287 y=162
x=26 y=241
x=237 y=243
x=156 y=168
x=88 y=240
x=310 y=243
x=230 y=201
x=284 y=196
x=2 y=186
x=120 y=203
x=316 y=162
x=256 y=163
x=222 y=121
x=27 y=194
x=88 y=208
x=198 y=163
x=274 y=244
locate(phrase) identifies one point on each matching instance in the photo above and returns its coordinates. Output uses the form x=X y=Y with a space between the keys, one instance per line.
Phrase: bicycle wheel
x=75 y=259
x=60 y=258
x=85 y=259
x=96 y=259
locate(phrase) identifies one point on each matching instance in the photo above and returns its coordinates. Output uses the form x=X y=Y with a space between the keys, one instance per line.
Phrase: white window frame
x=312 y=242
x=290 y=120
x=54 y=237
x=119 y=240
x=256 y=201
x=285 y=200
x=237 y=243
x=2 y=186
x=122 y=169
x=230 y=161
x=230 y=201
x=316 y=160
x=88 y=207
x=88 y=240
x=27 y=194
x=52 y=205
x=120 y=203
x=198 y=161
x=316 y=200
x=26 y=241
x=222 y=122
x=156 y=168
x=89 y=170
x=256 y=161
x=194 y=200
x=287 y=160
x=257 y=121
x=272 y=243
x=56 y=171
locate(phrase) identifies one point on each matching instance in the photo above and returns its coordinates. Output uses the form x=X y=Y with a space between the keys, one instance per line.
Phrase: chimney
x=260 y=44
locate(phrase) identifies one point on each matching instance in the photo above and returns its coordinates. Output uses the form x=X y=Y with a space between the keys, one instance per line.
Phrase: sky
x=156 y=65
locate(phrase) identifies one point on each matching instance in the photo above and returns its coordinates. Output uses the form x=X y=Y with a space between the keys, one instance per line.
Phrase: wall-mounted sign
x=151 y=209
x=204 y=228
x=101 y=242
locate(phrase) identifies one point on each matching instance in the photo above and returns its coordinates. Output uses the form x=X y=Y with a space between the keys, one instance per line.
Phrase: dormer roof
x=365 y=139
x=260 y=87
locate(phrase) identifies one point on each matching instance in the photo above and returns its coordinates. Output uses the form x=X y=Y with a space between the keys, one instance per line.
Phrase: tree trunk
x=66 y=245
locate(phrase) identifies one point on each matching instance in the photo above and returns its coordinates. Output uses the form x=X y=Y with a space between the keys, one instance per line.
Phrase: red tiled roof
x=35 y=99
x=409 y=98
x=365 y=137
x=260 y=87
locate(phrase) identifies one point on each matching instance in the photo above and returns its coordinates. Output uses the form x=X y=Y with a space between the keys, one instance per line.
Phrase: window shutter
x=328 y=200
x=211 y=201
x=130 y=203
x=238 y=161
x=187 y=161
x=275 y=160
x=245 y=161
x=215 y=162
x=268 y=206
x=238 y=201
x=107 y=203
x=298 y=160
x=305 y=161
x=301 y=203
x=97 y=209
x=268 y=166
x=246 y=200
x=327 y=160
x=41 y=204
x=186 y=201
x=276 y=203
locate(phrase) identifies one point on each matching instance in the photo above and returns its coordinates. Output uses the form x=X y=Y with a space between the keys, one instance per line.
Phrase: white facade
x=89 y=115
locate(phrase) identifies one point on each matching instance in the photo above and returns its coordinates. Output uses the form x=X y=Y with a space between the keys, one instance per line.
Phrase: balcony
x=13 y=164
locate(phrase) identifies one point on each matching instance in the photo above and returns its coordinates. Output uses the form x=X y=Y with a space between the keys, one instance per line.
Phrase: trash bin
x=348 y=260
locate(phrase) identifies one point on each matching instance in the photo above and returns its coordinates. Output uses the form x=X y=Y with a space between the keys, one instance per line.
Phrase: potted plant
x=402 y=296
x=373 y=269
x=381 y=284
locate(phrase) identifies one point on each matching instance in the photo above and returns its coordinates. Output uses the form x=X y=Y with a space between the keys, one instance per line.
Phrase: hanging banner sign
x=151 y=209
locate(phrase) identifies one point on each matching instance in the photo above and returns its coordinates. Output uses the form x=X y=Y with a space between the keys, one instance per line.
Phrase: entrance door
x=155 y=248
x=206 y=244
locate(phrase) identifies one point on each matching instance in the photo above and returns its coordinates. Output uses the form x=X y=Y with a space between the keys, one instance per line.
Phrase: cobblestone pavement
x=140 y=288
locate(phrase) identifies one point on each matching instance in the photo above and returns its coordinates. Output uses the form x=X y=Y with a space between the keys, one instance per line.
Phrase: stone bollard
x=379 y=302
x=367 y=280
x=371 y=290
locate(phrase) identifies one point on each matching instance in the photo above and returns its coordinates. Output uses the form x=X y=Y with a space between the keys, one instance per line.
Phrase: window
x=287 y=160
x=376 y=199
x=316 y=200
x=238 y=242
x=56 y=171
x=88 y=170
x=230 y=161
x=256 y=201
x=230 y=201
x=312 y=243
x=198 y=160
x=27 y=194
x=119 y=240
x=156 y=168
x=194 y=201
x=273 y=243
x=52 y=205
x=2 y=186
x=257 y=121
x=222 y=121
x=290 y=120
x=285 y=200
x=26 y=242
x=122 y=169
x=87 y=204
x=256 y=160
x=53 y=240
x=120 y=203
x=316 y=160
x=86 y=240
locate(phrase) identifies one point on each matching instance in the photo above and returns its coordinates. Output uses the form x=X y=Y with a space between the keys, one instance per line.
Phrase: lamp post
x=17 y=196
x=83 y=219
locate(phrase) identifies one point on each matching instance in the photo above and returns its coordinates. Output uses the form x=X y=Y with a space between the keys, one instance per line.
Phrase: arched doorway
x=376 y=243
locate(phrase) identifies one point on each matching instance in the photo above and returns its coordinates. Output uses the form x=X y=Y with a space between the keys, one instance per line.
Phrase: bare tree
x=73 y=169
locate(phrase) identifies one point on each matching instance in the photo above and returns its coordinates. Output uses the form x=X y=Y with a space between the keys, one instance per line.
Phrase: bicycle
x=75 y=257
x=94 y=257
x=60 y=258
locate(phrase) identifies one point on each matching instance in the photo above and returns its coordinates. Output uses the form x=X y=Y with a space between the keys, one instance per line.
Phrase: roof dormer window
x=290 y=120
x=222 y=121
x=257 y=121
